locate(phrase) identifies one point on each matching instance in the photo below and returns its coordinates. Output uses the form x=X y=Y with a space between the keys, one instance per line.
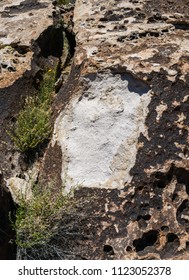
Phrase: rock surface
x=21 y=23
x=24 y=26
x=123 y=131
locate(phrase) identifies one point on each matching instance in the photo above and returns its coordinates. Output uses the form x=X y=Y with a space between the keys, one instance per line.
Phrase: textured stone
x=23 y=27
x=19 y=189
x=21 y=22
x=122 y=133
x=127 y=148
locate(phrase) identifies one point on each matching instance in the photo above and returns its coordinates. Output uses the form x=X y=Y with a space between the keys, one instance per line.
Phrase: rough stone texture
x=121 y=130
x=130 y=143
x=26 y=27
x=21 y=23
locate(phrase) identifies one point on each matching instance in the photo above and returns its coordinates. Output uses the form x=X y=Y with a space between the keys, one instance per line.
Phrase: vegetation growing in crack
x=37 y=218
x=69 y=225
x=33 y=122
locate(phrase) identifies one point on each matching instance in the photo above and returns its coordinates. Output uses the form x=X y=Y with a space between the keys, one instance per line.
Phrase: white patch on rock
x=98 y=133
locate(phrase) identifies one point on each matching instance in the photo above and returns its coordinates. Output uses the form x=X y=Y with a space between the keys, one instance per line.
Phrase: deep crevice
x=51 y=41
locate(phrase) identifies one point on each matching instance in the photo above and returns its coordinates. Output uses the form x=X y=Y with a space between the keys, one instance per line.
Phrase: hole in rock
x=108 y=249
x=145 y=217
x=140 y=188
x=183 y=177
x=181 y=26
x=175 y=197
x=161 y=179
x=12 y=166
x=165 y=228
x=129 y=249
x=148 y=239
x=171 y=237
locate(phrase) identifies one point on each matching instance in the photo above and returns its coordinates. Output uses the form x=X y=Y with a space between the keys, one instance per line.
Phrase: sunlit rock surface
x=21 y=22
x=121 y=124
x=122 y=131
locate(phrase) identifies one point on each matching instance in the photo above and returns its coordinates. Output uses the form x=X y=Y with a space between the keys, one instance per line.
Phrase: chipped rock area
x=126 y=146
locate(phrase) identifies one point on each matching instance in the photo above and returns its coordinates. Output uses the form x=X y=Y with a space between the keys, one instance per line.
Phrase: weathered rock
x=21 y=22
x=38 y=46
x=123 y=131
x=28 y=36
x=20 y=189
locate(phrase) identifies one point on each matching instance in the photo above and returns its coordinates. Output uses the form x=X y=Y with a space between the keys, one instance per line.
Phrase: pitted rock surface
x=106 y=128
x=21 y=22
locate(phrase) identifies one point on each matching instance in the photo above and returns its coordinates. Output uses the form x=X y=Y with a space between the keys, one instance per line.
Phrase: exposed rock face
x=28 y=35
x=24 y=26
x=123 y=130
x=21 y=22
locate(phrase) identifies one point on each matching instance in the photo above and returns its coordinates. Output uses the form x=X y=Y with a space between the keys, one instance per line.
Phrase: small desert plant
x=32 y=127
x=33 y=121
x=37 y=218
x=47 y=88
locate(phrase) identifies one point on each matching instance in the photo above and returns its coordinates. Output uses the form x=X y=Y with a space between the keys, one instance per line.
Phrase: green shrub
x=32 y=127
x=37 y=218
x=46 y=89
x=33 y=121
